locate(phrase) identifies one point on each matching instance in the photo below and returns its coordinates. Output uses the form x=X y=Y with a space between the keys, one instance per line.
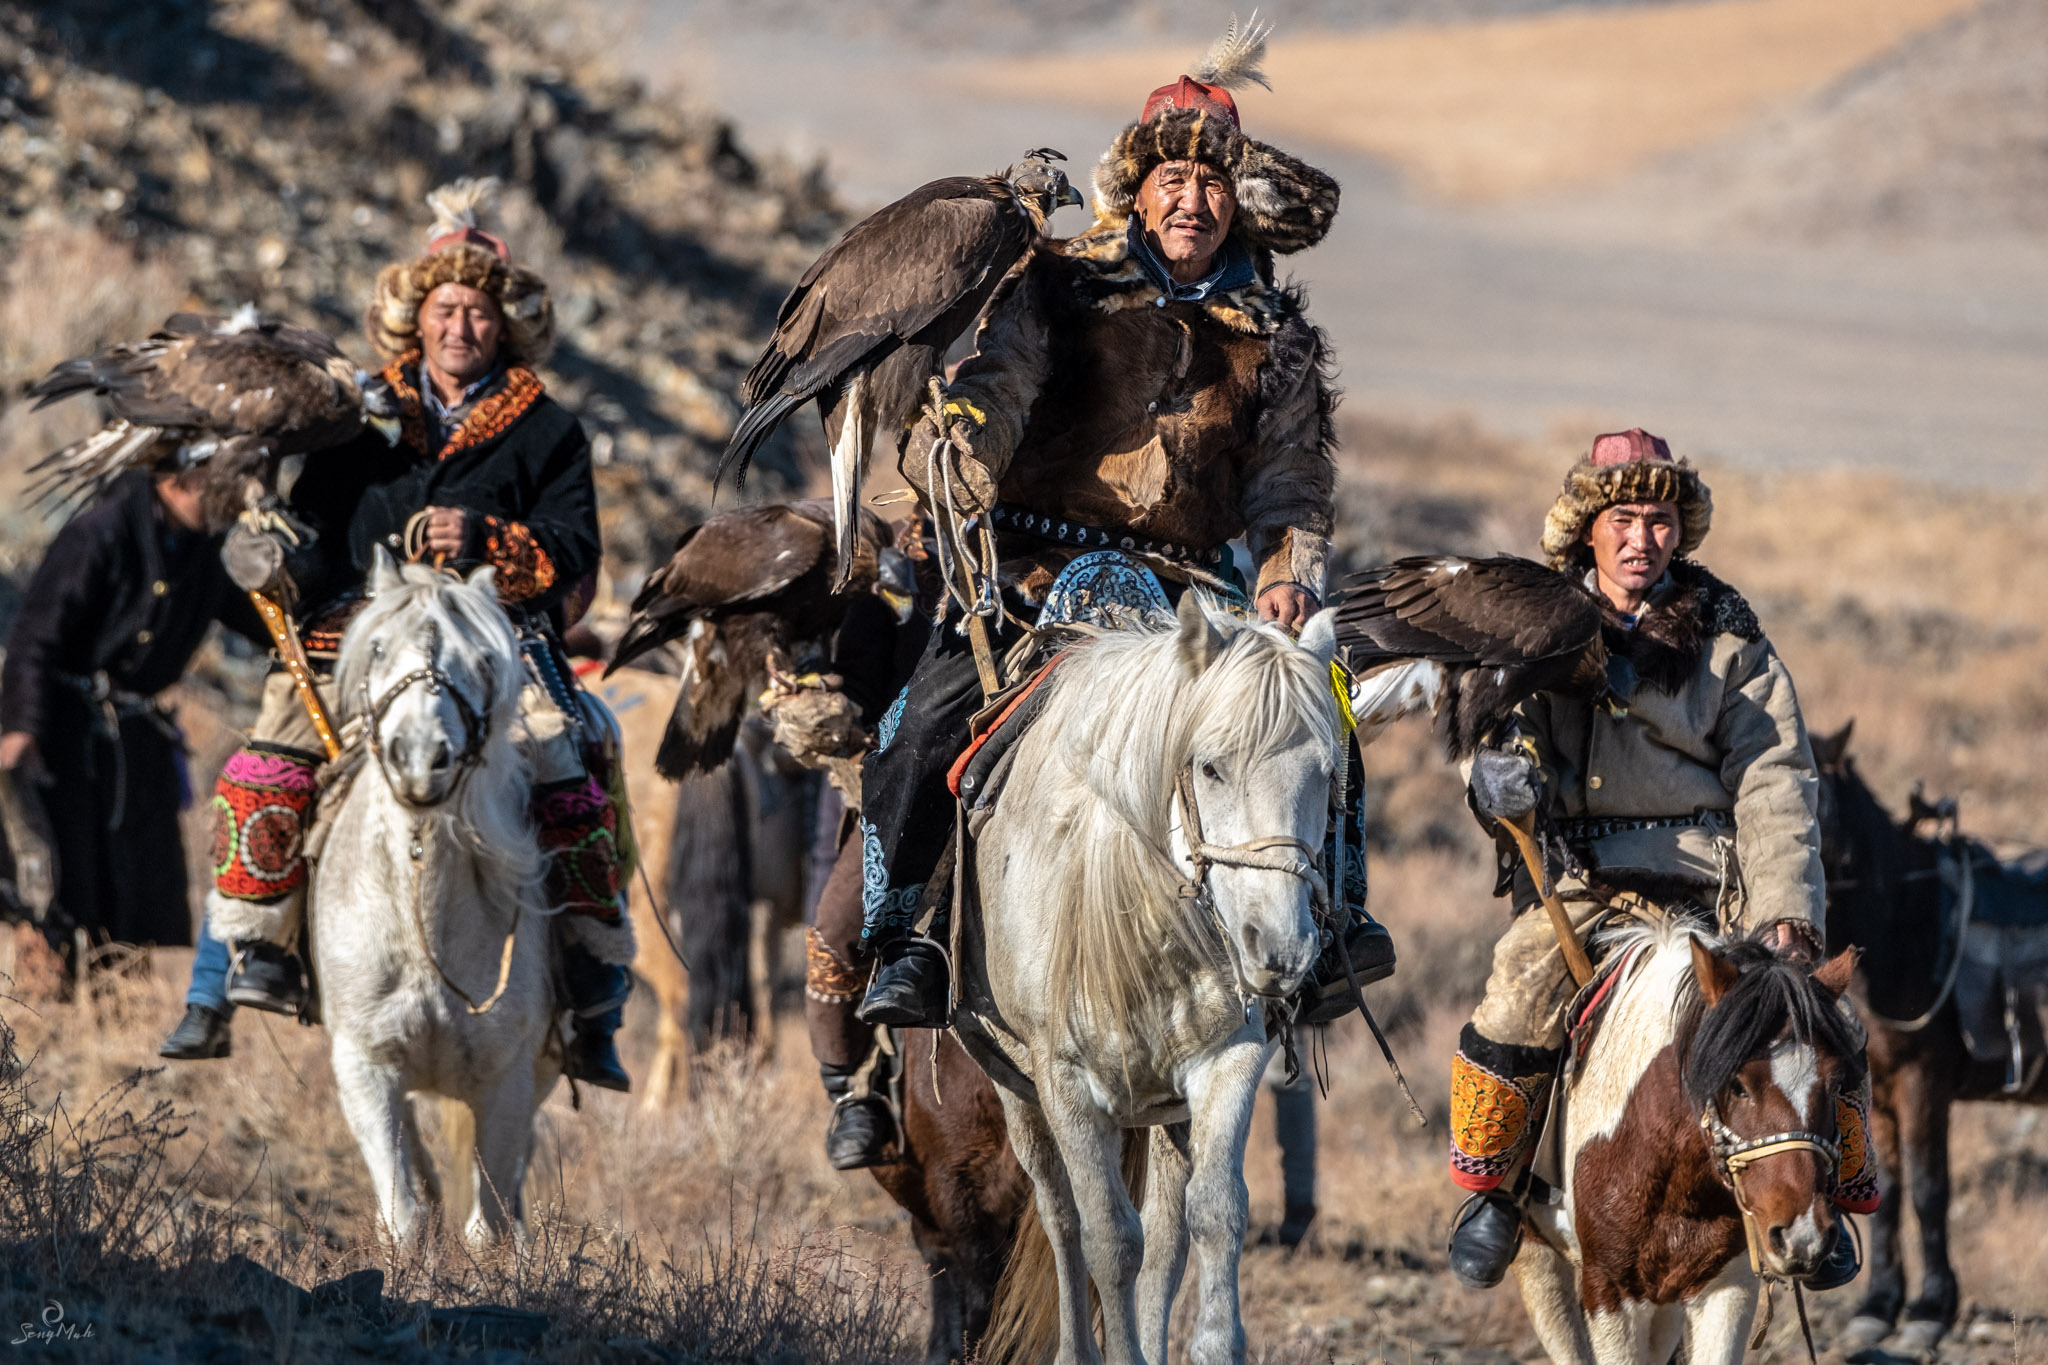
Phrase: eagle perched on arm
x=751 y=592
x=232 y=396
x=1469 y=639
x=868 y=326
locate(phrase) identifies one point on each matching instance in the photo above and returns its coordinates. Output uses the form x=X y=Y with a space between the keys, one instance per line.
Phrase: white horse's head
x=1257 y=751
x=431 y=668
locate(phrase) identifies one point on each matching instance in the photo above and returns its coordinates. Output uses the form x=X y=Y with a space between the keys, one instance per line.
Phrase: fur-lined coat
x=1712 y=723
x=1186 y=422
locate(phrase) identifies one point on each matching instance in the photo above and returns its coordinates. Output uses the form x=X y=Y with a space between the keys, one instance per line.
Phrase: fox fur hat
x=459 y=251
x=1624 y=466
x=1283 y=205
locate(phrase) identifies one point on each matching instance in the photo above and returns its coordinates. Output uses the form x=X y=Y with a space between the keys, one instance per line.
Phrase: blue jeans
x=210 y=973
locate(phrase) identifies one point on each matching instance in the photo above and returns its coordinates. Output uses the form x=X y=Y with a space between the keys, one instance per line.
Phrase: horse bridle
x=1733 y=1154
x=1273 y=853
x=476 y=723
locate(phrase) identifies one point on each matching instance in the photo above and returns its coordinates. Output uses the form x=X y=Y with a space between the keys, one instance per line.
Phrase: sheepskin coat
x=1186 y=422
x=1711 y=723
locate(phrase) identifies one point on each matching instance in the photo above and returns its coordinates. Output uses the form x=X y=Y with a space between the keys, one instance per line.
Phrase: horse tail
x=1024 y=1320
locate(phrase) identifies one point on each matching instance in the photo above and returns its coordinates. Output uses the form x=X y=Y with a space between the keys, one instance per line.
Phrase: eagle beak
x=902 y=603
x=1068 y=197
x=388 y=427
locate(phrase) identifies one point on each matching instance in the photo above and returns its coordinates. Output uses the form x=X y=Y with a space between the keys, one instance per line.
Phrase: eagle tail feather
x=1379 y=699
x=1235 y=59
x=81 y=471
x=849 y=472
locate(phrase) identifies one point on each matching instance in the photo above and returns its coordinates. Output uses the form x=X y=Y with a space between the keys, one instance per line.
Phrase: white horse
x=427 y=895
x=1102 y=996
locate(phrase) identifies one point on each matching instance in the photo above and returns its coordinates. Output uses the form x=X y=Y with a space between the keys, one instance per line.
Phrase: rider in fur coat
x=1693 y=787
x=1140 y=396
x=487 y=469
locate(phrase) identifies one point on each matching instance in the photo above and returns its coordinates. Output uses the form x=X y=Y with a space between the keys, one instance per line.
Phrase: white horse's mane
x=1124 y=714
x=470 y=638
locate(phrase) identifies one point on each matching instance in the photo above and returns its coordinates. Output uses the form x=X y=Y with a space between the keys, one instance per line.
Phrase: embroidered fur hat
x=461 y=252
x=1283 y=205
x=1624 y=466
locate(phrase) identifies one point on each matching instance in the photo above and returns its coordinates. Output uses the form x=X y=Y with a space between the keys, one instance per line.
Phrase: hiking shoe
x=1484 y=1240
x=202 y=1034
x=861 y=1134
x=909 y=989
x=1842 y=1263
x=1328 y=995
x=266 y=977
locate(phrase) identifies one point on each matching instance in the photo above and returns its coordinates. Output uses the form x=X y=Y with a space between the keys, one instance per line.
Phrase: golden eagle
x=753 y=591
x=1468 y=639
x=232 y=396
x=868 y=326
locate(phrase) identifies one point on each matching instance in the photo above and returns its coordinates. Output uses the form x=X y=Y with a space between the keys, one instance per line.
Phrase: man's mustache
x=1200 y=220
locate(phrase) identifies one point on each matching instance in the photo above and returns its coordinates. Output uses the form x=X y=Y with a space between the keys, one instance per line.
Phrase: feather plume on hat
x=1234 y=60
x=461 y=251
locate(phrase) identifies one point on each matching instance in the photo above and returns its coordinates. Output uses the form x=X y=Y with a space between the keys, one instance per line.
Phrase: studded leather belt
x=1066 y=531
x=1599 y=827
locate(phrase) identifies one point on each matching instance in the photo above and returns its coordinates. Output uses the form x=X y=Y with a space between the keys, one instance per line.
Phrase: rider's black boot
x=1842 y=1262
x=597 y=998
x=909 y=989
x=201 y=1034
x=266 y=977
x=1484 y=1239
x=1328 y=995
x=862 y=1129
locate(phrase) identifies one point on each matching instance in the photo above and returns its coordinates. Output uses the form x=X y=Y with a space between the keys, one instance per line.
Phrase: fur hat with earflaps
x=461 y=252
x=1283 y=205
x=1624 y=466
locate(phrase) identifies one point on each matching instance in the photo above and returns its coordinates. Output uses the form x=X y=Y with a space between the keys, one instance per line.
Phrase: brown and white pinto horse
x=1713 y=1071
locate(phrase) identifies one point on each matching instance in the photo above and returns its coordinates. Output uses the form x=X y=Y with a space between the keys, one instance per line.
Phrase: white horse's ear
x=484 y=580
x=1319 y=636
x=383 y=571
x=1200 y=641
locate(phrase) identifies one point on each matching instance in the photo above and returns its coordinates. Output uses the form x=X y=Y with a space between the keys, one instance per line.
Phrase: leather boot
x=1843 y=1262
x=1484 y=1239
x=1328 y=995
x=863 y=1129
x=203 y=1033
x=909 y=989
x=266 y=977
x=597 y=999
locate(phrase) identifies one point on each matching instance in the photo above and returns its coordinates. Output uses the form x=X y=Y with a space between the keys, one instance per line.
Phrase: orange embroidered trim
x=490 y=418
x=1489 y=1113
x=828 y=979
x=524 y=568
x=1855 y=1143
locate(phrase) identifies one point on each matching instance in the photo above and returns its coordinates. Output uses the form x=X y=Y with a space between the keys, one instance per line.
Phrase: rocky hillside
x=278 y=151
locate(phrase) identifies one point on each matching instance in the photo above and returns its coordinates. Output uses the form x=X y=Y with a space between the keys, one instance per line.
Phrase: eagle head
x=896 y=582
x=1041 y=184
x=381 y=407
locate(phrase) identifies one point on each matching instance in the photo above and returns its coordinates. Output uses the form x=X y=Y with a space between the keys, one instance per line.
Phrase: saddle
x=976 y=776
x=1996 y=915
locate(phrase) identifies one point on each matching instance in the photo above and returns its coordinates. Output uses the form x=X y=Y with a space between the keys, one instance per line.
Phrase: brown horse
x=1884 y=896
x=1698 y=1123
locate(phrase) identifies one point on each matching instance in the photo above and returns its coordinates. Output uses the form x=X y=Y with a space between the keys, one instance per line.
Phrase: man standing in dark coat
x=112 y=617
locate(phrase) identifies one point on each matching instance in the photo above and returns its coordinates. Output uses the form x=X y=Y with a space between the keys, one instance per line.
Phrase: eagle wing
x=1499 y=630
x=200 y=386
x=897 y=290
x=738 y=588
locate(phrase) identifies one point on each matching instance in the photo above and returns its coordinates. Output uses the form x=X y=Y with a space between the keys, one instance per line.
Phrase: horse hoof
x=1863 y=1332
x=1919 y=1337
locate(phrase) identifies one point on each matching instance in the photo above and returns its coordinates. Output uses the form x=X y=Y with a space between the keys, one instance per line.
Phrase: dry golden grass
x=1906 y=605
x=1483 y=111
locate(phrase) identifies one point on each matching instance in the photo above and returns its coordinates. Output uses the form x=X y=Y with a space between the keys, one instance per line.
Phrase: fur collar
x=489 y=417
x=1111 y=279
x=1678 y=625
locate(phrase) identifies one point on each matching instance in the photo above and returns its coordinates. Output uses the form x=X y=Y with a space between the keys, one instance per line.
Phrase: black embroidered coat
x=518 y=463
x=119 y=593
